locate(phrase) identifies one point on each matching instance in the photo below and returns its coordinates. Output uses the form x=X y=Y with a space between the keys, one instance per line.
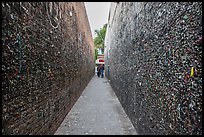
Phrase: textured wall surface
x=47 y=61
x=153 y=52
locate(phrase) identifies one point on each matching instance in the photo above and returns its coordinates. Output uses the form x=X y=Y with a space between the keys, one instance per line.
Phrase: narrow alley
x=149 y=52
x=97 y=112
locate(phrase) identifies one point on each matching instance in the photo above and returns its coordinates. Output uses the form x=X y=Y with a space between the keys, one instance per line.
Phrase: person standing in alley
x=98 y=71
x=102 y=70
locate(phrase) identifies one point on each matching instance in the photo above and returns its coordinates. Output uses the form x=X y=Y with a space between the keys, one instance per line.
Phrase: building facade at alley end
x=153 y=57
x=47 y=61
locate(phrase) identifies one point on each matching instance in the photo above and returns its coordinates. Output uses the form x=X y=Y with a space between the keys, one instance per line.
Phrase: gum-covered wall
x=47 y=61
x=154 y=64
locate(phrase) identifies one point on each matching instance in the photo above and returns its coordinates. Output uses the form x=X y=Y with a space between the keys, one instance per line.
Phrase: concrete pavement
x=97 y=112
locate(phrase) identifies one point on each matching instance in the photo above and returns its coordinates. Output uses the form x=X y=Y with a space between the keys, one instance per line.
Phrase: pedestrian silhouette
x=98 y=71
x=102 y=70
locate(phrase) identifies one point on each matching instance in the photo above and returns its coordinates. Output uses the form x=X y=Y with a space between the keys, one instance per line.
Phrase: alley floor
x=97 y=112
